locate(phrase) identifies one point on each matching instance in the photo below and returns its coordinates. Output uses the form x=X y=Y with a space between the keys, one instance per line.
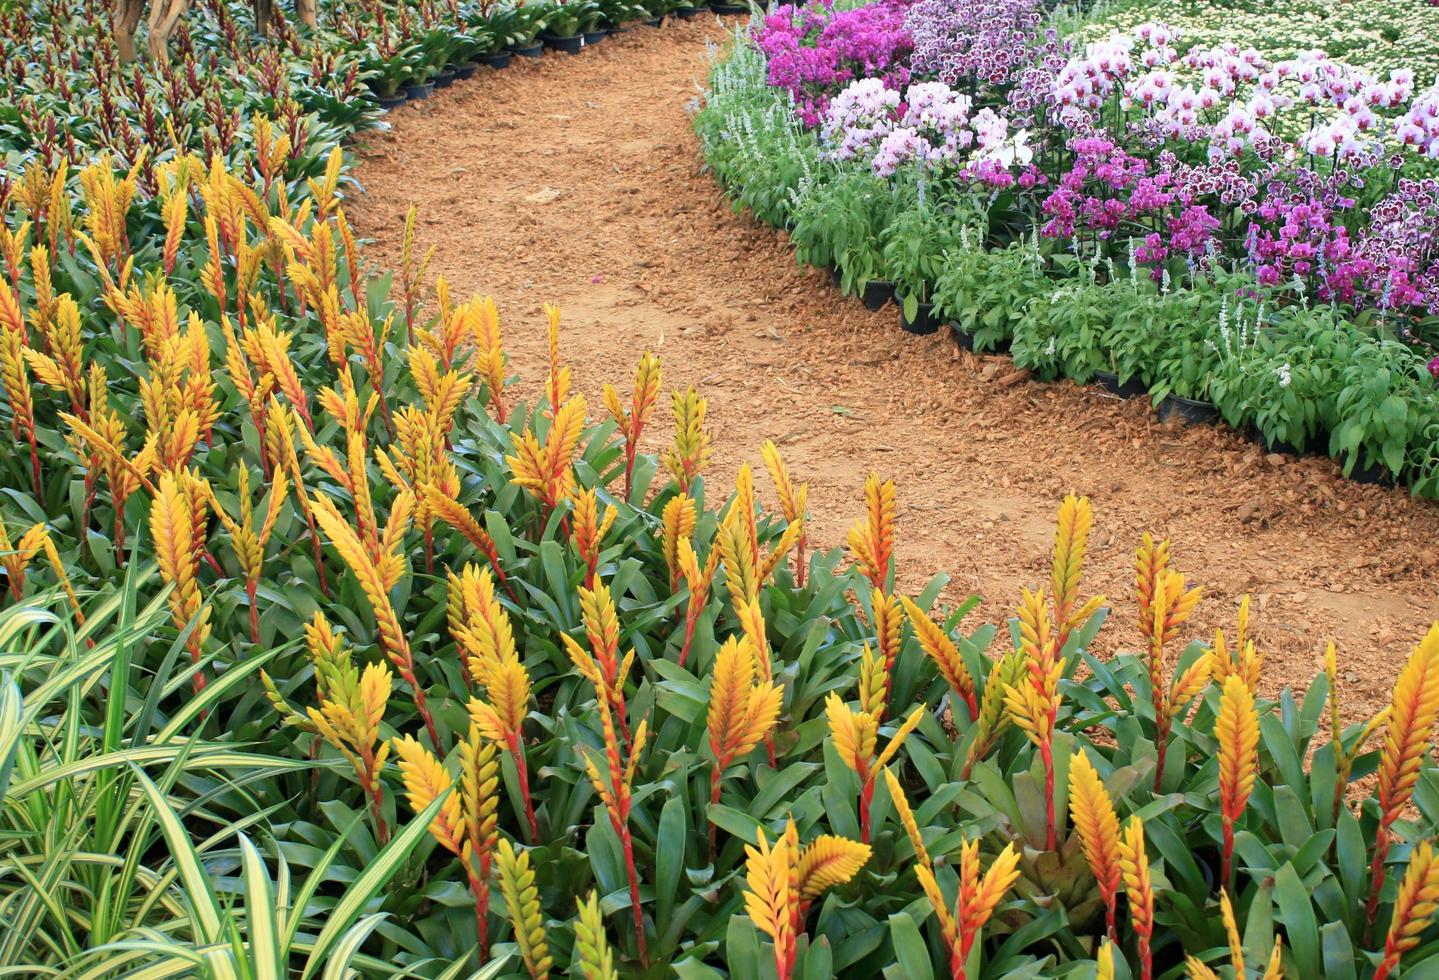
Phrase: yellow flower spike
x=1190 y=685
x=522 y=899
x=1093 y=814
x=979 y=897
x=425 y=780
x=1275 y=968
x=827 y=862
x=1150 y=562
x=742 y=710
x=677 y=521
x=1413 y=710
x=993 y=717
x=872 y=683
x=937 y=646
x=1134 y=865
x=16 y=558
x=697 y=581
x=488 y=362
x=767 y=897
x=1236 y=730
x=1071 y=537
x=376 y=577
x=1195 y=970
x=855 y=735
x=601 y=666
x=692 y=446
x=906 y=817
x=871 y=541
x=1231 y=932
x=888 y=623
x=1414 y=908
x=1104 y=961
x=593 y=959
x=793 y=500
x=480 y=800
x=177 y=526
x=631 y=420
x=557 y=383
x=738 y=558
x=588 y=530
x=547 y=470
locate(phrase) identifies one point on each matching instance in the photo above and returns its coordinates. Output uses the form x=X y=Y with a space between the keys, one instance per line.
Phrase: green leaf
x=669 y=858
x=910 y=951
x=1296 y=911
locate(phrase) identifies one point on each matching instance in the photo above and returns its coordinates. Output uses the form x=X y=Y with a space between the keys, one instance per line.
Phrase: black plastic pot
x=835 y=276
x=420 y=90
x=653 y=22
x=467 y=70
x=1275 y=445
x=962 y=337
x=388 y=102
x=593 y=37
x=923 y=322
x=499 y=59
x=1132 y=388
x=1187 y=410
x=567 y=45
x=1375 y=474
x=689 y=13
x=533 y=50
x=446 y=78
x=877 y=292
x=729 y=9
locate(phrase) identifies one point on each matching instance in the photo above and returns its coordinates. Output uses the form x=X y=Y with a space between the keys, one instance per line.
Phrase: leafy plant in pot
x=388 y=67
x=913 y=255
x=1283 y=380
x=1063 y=335
x=843 y=223
x=985 y=294
x=616 y=13
x=564 y=28
x=1387 y=402
x=522 y=25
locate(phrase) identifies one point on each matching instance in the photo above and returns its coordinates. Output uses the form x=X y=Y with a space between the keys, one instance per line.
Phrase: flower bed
x=1162 y=179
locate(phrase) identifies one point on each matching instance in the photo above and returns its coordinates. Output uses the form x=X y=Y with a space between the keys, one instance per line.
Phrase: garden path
x=577 y=180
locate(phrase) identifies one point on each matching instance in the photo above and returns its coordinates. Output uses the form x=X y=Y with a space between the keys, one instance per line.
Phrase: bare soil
x=576 y=179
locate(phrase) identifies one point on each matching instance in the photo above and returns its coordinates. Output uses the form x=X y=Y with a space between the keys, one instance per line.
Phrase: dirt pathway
x=577 y=180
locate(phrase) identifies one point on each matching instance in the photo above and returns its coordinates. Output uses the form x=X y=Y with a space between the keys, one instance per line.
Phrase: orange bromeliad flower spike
x=631 y=420
x=783 y=879
x=1412 y=713
x=588 y=530
x=677 y=521
x=547 y=469
x=855 y=735
x=1414 y=908
x=937 y=645
x=1093 y=814
x=689 y=454
x=621 y=753
x=743 y=709
x=1134 y=863
x=1236 y=730
x=979 y=897
x=793 y=501
x=1034 y=703
x=698 y=579
x=557 y=382
x=871 y=541
x=1071 y=538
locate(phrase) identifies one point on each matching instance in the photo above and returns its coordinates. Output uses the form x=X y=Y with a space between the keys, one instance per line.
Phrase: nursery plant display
x=1167 y=187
